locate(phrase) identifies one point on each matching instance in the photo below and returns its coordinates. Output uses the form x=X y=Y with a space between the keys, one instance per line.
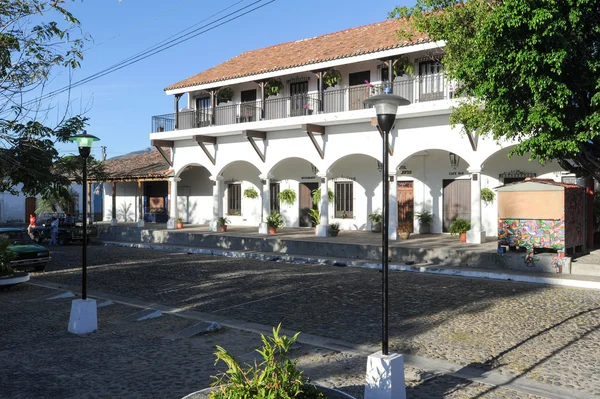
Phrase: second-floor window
x=234 y=199
x=344 y=199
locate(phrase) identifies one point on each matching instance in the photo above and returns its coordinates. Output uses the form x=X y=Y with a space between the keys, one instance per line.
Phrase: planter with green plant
x=225 y=95
x=487 y=195
x=287 y=196
x=332 y=77
x=403 y=66
x=375 y=219
x=274 y=221
x=273 y=87
x=425 y=219
x=179 y=223
x=404 y=229
x=460 y=227
x=315 y=217
x=223 y=222
x=275 y=376
x=250 y=193
x=334 y=229
x=8 y=277
x=316 y=196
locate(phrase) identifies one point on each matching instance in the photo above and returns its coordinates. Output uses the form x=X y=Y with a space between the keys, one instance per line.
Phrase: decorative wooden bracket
x=473 y=139
x=159 y=144
x=311 y=130
x=202 y=140
x=374 y=123
x=255 y=134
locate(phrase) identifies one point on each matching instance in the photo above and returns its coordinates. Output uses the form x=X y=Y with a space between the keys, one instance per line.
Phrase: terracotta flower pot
x=180 y=225
x=463 y=237
x=223 y=228
x=272 y=230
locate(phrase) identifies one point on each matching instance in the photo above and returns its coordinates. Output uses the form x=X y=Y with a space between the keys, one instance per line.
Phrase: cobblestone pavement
x=549 y=334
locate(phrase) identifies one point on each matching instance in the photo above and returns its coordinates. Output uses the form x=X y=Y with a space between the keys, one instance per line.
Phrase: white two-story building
x=228 y=135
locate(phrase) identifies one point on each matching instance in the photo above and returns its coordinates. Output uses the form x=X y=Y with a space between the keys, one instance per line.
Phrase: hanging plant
x=225 y=94
x=316 y=196
x=487 y=196
x=332 y=77
x=273 y=87
x=287 y=196
x=250 y=193
x=402 y=66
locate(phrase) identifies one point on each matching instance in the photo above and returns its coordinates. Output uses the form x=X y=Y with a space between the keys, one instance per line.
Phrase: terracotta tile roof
x=146 y=165
x=347 y=43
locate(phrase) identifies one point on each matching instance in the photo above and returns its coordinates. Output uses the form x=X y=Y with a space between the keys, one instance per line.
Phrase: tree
x=34 y=42
x=529 y=72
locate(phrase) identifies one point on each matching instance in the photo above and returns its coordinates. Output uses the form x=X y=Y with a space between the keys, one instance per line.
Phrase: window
x=358 y=78
x=344 y=199
x=273 y=197
x=234 y=199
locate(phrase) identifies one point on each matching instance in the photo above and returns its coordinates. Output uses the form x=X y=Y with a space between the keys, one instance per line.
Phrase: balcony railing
x=419 y=89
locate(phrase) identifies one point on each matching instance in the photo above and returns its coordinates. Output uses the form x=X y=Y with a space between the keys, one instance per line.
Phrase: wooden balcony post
x=114 y=204
x=177 y=97
x=140 y=203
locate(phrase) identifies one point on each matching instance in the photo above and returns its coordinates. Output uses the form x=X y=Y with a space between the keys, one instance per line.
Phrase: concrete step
x=585 y=269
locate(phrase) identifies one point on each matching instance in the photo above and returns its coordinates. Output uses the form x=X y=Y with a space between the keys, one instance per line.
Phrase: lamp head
x=84 y=142
x=386 y=106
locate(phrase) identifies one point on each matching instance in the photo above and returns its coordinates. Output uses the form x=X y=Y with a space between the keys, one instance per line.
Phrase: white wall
x=194 y=195
x=127 y=202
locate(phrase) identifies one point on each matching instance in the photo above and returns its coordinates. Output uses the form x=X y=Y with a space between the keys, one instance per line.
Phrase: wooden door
x=248 y=107
x=306 y=203
x=406 y=203
x=298 y=97
x=457 y=201
x=30 y=205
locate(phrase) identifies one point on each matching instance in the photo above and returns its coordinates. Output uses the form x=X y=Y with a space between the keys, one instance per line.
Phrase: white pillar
x=263 y=228
x=323 y=225
x=475 y=235
x=217 y=202
x=385 y=377
x=173 y=211
x=393 y=222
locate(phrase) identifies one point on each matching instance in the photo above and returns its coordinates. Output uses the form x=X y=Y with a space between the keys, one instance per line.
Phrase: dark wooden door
x=298 y=97
x=406 y=203
x=248 y=107
x=30 y=205
x=457 y=201
x=306 y=203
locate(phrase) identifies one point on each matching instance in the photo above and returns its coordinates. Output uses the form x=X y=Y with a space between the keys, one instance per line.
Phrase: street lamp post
x=83 y=311
x=380 y=381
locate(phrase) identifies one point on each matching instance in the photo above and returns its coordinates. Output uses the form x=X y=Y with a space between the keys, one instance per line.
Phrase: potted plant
x=316 y=196
x=8 y=276
x=307 y=109
x=404 y=228
x=287 y=196
x=425 y=219
x=334 y=229
x=332 y=77
x=223 y=222
x=315 y=217
x=273 y=87
x=276 y=376
x=179 y=223
x=402 y=66
x=375 y=219
x=460 y=227
x=487 y=195
x=274 y=221
x=250 y=193
x=225 y=95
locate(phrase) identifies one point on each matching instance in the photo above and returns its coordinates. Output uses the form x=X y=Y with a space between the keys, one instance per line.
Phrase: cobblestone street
x=546 y=334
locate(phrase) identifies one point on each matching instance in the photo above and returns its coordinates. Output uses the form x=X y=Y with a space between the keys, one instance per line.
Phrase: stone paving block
x=204 y=327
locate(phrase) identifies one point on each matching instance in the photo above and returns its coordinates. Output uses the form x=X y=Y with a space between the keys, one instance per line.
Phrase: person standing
x=32 y=223
x=54 y=231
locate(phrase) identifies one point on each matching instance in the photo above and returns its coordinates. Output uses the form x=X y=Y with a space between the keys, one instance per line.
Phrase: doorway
x=457 y=201
x=306 y=203
x=406 y=203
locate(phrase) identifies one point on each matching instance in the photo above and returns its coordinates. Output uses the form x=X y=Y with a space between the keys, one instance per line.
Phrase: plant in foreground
x=276 y=377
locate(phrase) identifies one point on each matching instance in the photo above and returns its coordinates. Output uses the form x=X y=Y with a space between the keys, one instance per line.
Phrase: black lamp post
x=84 y=142
x=386 y=107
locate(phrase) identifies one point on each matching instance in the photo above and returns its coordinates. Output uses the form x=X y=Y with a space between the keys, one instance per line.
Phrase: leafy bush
x=287 y=196
x=275 y=220
x=5 y=257
x=424 y=217
x=276 y=377
x=334 y=226
x=459 y=226
x=405 y=226
x=332 y=77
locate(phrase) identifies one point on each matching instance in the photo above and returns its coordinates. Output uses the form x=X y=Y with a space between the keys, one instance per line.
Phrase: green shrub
x=424 y=217
x=275 y=220
x=315 y=216
x=459 y=226
x=276 y=377
x=5 y=257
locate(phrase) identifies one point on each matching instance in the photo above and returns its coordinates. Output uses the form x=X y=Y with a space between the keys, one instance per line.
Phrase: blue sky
x=121 y=104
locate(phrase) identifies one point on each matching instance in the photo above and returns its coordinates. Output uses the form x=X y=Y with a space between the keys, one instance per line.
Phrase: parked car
x=67 y=232
x=28 y=253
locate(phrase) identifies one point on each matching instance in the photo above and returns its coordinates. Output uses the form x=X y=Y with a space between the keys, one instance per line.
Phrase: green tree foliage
x=36 y=38
x=529 y=71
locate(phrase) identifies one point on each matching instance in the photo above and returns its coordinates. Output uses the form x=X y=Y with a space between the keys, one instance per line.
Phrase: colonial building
x=291 y=116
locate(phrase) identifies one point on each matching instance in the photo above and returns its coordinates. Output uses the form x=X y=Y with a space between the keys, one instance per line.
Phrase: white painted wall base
x=475 y=237
x=113 y=222
x=171 y=224
x=140 y=223
x=213 y=226
x=263 y=228
x=84 y=316
x=385 y=377
x=322 y=230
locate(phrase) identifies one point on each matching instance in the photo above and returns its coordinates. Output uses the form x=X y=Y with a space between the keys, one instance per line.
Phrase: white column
x=217 y=202
x=393 y=222
x=263 y=228
x=323 y=225
x=475 y=235
x=173 y=211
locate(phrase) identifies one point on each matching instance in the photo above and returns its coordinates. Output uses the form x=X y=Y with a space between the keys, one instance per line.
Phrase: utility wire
x=153 y=50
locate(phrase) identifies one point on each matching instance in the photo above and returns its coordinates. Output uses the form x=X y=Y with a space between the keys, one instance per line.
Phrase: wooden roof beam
x=202 y=141
x=255 y=134
x=311 y=130
x=159 y=144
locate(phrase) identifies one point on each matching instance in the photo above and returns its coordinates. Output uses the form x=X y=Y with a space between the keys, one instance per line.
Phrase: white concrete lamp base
x=113 y=222
x=84 y=316
x=171 y=224
x=475 y=237
x=140 y=223
x=385 y=377
x=321 y=230
x=263 y=228
x=213 y=226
